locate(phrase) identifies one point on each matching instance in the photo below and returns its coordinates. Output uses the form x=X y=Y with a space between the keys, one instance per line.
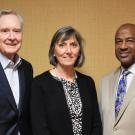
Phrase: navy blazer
x=12 y=118
x=49 y=111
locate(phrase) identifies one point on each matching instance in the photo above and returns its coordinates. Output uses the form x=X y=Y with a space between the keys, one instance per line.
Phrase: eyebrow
x=125 y=38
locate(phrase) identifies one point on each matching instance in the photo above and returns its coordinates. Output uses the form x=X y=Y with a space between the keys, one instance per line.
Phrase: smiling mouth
x=68 y=59
x=124 y=55
x=10 y=44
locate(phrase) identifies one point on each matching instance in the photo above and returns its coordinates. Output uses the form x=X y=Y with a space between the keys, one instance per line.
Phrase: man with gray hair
x=15 y=77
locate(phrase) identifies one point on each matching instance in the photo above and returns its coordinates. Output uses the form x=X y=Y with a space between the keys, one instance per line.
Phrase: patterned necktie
x=121 y=91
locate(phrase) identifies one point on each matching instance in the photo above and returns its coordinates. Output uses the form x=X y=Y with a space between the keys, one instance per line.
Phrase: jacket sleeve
x=37 y=108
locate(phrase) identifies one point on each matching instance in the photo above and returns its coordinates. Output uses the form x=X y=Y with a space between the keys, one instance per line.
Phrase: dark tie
x=121 y=91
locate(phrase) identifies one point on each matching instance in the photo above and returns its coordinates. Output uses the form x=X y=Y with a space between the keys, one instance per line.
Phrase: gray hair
x=64 y=34
x=12 y=12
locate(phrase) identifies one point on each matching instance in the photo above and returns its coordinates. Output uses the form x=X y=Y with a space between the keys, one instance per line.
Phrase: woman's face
x=67 y=52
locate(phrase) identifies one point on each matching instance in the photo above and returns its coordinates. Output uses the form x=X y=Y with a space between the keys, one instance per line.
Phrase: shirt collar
x=131 y=68
x=7 y=63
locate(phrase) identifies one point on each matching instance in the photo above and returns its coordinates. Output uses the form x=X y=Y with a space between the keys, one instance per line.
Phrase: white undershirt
x=10 y=69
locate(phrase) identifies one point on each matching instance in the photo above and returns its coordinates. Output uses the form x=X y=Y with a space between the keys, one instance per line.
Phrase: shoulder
x=110 y=74
x=44 y=77
x=84 y=77
x=26 y=67
x=45 y=82
x=25 y=63
x=86 y=83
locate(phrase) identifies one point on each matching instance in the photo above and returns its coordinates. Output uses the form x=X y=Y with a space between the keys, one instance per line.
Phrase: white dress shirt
x=10 y=69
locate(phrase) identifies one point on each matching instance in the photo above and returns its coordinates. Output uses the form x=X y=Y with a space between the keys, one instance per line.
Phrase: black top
x=49 y=111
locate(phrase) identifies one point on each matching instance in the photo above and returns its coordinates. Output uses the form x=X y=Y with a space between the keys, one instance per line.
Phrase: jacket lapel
x=86 y=100
x=5 y=88
x=62 y=100
x=128 y=97
x=113 y=91
x=22 y=87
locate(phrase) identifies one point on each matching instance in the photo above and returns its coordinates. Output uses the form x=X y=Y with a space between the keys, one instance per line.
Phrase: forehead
x=67 y=37
x=9 y=21
x=126 y=32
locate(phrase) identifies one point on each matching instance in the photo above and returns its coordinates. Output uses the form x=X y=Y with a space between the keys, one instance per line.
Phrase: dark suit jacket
x=11 y=118
x=49 y=110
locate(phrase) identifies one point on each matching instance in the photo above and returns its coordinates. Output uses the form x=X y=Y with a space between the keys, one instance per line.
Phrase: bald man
x=117 y=89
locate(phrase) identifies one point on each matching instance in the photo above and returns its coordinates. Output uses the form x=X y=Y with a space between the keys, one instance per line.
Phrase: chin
x=13 y=50
x=68 y=65
x=126 y=64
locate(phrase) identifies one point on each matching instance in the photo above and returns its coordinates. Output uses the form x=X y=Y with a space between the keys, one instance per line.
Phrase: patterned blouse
x=74 y=104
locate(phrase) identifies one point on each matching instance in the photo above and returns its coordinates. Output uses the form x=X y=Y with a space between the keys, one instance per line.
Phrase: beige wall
x=97 y=20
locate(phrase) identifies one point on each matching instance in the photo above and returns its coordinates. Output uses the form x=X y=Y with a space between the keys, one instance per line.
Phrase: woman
x=63 y=101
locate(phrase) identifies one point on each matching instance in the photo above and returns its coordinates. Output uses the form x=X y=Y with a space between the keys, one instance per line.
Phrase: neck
x=66 y=73
x=11 y=57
